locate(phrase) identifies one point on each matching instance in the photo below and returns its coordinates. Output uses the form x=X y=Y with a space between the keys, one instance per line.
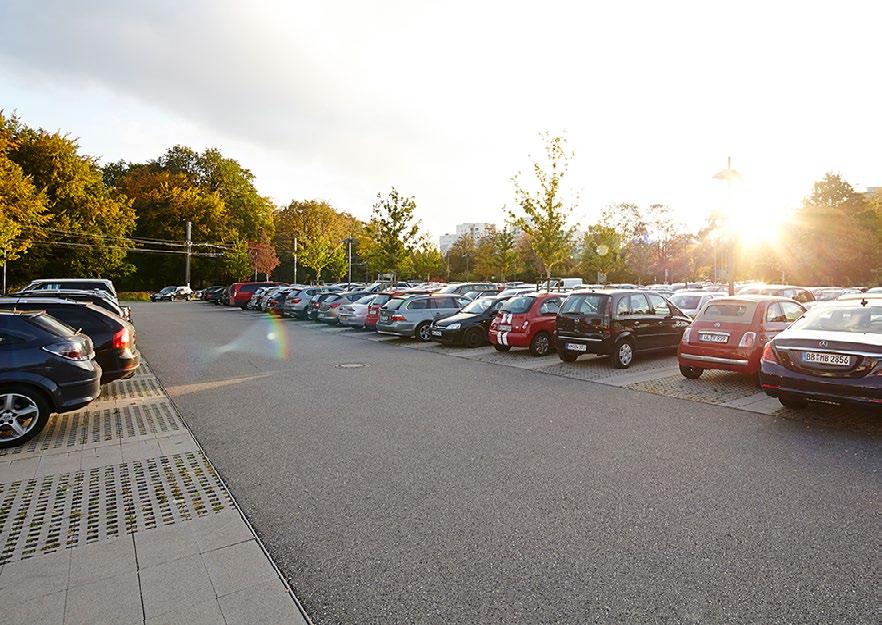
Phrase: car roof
x=701 y=293
x=751 y=298
x=875 y=298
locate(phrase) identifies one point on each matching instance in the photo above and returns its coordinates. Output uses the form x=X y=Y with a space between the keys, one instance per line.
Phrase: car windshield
x=52 y=325
x=729 y=312
x=857 y=319
x=167 y=290
x=479 y=305
x=393 y=304
x=689 y=302
x=518 y=305
x=588 y=304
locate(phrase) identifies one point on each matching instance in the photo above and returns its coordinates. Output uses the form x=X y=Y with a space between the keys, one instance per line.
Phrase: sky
x=446 y=100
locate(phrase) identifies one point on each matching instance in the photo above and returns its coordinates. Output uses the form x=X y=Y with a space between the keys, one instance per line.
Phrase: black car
x=213 y=294
x=44 y=367
x=469 y=326
x=617 y=323
x=113 y=337
x=832 y=354
x=99 y=298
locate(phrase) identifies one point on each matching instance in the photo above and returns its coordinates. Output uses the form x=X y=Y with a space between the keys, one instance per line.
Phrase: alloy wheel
x=18 y=415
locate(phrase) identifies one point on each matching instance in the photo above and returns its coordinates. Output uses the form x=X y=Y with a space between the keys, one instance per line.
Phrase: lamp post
x=295 y=260
x=730 y=176
x=349 y=241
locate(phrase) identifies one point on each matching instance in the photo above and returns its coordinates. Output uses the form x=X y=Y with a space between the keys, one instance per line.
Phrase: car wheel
x=23 y=414
x=424 y=332
x=693 y=373
x=793 y=402
x=541 y=344
x=623 y=354
x=567 y=356
x=473 y=338
x=501 y=348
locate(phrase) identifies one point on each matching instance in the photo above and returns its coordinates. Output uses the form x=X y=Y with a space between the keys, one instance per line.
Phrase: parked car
x=102 y=299
x=316 y=302
x=354 y=315
x=731 y=332
x=618 y=323
x=469 y=326
x=274 y=303
x=297 y=301
x=171 y=294
x=690 y=302
x=832 y=354
x=79 y=284
x=212 y=294
x=113 y=337
x=796 y=293
x=45 y=367
x=526 y=320
x=461 y=288
x=328 y=309
x=412 y=315
x=240 y=292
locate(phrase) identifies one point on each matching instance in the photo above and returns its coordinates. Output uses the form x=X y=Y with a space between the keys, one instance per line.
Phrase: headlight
x=452 y=326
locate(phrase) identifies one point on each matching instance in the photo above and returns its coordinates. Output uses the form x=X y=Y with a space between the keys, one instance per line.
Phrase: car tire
x=501 y=348
x=24 y=398
x=623 y=354
x=473 y=338
x=423 y=332
x=691 y=373
x=567 y=356
x=793 y=402
x=540 y=345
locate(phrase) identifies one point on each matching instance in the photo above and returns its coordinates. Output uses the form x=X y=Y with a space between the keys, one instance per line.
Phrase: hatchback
x=113 y=337
x=526 y=320
x=412 y=315
x=731 y=332
x=469 y=326
x=44 y=367
x=690 y=302
x=617 y=323
x=328 y=309
x=353 y=315
x=239 y=293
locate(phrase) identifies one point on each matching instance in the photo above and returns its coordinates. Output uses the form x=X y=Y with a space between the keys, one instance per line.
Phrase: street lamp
x=730 y=176
x=349 y=241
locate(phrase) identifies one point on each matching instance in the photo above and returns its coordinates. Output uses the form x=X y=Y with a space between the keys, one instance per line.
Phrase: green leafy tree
x=394 y=233
x=464 y=260
x=544 y=216
x=601 y=258
x=504 y=253
x=428 y=263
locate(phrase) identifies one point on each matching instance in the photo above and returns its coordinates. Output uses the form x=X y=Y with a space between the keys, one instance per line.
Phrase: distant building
x=477 y=230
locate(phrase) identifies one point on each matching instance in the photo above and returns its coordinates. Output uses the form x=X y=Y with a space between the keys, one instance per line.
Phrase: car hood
x=463 y=318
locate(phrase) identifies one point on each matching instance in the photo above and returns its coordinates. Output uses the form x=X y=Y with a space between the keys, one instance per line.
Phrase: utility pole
x=189 y=251
x=4 y=272
x=295 y=260
x=349 y=241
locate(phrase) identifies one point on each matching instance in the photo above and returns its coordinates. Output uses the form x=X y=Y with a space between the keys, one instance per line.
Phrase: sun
x=752 y=221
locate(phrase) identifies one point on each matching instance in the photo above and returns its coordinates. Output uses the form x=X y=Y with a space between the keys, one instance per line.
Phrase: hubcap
x=18 y=415
x=542 y=344
x=625 y=354
x=424 y=333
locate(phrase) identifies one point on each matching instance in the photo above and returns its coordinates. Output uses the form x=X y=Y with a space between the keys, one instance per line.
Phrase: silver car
x=690 y=302
x=412 y=315
x=354 y=314
x=328 y=309
x=297 y=302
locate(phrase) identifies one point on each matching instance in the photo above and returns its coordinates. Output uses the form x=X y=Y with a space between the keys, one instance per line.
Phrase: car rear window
x=248 y=288
x=729 y=312
x=518 y=305
x=856 y=319
x=393 y=304
x=379 y=300
x=587 y=304
x=52 y=325
x=367 y=299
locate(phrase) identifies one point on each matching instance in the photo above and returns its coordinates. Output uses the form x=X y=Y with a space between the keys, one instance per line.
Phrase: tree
x=428 y=262
x=544 y=218
x=462 y=258
x=394 y=232
x=263 y=257
x=505 y=254
x=602 y=250
x=90 y=224
x=22 y=206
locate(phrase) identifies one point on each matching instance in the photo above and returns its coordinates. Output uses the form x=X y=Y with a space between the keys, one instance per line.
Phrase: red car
x=730 y=333
x=240 y=292
x=526 y=320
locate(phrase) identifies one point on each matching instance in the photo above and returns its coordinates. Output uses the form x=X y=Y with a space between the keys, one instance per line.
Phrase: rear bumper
x=735 y=362
x=400 y=328
x=509 y=339
x=351 y=320
x=778 y=381
x=119 y=364
x=592 y=346
x=75 y=395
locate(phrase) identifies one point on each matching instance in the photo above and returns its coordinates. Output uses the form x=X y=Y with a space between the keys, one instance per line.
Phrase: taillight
x=686 y=334
x=335 y=305
x=70 y=350
x=748 y=339
x=769 y=355
x=121 y=338
x=296 y=300
x=398 y=318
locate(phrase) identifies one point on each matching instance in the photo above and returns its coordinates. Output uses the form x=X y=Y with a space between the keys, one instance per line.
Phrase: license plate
x=835 y=360
x=436 y=332
x=709 y=337
x=504 y=327
x=577 y=347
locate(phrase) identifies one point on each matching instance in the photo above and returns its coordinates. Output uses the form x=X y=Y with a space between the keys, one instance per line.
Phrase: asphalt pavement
x=422 y=488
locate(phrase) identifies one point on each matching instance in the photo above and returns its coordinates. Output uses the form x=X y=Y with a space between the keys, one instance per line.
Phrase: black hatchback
x=617 y=323
x=469 y=326
x=112 y=336
x=44 y=367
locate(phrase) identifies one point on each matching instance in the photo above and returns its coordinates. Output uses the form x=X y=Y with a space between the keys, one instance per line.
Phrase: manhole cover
x=350 y=365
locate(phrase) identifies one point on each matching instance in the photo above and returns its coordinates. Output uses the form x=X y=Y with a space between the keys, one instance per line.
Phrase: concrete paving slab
x=204 y=613
x=220 y=530
x=36 y=576
x=102 y=560
x=260 y=605
x=179 y=582
x=36 y=610
x=109 y=601
x=165 y=544
x=238 y=566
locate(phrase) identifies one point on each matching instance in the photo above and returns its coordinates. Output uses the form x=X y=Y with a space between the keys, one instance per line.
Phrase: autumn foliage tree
x=263 y=257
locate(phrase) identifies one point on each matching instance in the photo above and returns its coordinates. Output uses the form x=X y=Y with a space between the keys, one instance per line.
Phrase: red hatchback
x=241 y=292
x=526 y=320
x=729 y=333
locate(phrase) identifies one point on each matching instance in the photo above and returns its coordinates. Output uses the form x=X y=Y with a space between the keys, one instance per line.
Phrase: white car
x=690 y=302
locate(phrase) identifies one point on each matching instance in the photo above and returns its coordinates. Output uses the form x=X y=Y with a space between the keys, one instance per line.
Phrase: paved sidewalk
x=113 y=515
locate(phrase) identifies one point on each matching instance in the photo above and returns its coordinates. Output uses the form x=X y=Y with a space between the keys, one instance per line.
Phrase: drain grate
x=350 y=365
x=43 y=515
x=133 y=388
x=95 y=426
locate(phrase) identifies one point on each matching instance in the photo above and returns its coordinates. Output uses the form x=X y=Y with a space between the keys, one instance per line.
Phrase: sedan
x=832 y=355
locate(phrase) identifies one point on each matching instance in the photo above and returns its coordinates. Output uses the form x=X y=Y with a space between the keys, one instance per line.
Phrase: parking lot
x=402 y=482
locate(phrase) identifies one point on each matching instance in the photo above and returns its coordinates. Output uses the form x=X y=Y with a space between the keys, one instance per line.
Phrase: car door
x=669 y=330
x=547 y=314
x=644 y=323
